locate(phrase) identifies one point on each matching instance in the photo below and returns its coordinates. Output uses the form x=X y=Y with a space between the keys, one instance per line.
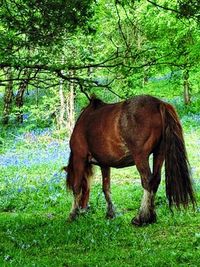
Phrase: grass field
x=34 y=206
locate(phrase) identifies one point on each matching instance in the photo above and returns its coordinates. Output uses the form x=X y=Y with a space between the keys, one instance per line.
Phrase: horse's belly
x=111 y=161
x=124 y=162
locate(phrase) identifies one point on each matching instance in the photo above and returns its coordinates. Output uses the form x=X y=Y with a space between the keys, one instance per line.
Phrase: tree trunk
x=61 y=115
x=19 y=101
x=70 y=107
x=66 y=116
x=145 y=76
x=186 y=86
x=140 y=39
x=8 y=97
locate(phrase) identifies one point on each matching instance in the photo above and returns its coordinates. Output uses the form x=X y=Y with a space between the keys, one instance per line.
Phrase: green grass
x=34 y=206
x=43 y=237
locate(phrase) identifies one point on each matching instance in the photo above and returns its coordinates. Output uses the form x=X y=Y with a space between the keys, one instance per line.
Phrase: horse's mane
x=96 y=102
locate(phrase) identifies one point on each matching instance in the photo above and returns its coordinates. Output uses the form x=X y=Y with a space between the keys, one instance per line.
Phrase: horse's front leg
x=76 y=176
x=80 y=203
x=81 y=186
x=147 y=212
x=106 y=189
x=85 y=189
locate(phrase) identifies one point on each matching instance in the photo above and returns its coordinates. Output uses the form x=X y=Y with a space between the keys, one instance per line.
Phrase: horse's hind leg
x=150 y=183
x=146 y=213
x=106 y=189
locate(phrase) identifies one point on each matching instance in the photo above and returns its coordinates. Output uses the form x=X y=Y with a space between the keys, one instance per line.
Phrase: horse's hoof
x=71 y=219
x=83 y=211
x=73 y=216
x=110 y=215
x=140 y=221
x=136 y=221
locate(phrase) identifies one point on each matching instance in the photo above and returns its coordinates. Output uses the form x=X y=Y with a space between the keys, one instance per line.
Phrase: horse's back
x=141 y=103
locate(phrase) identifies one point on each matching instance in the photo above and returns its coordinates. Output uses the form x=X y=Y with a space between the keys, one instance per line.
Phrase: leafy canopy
x=41 y=22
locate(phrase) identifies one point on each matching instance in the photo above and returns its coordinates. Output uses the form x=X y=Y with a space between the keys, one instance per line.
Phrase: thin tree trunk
x=186 y=86
x=19 y=101
x=66 y=116
x=8 y=97
x=139 y=41
x=71 y=118
x=61 y=115
x=145 y=76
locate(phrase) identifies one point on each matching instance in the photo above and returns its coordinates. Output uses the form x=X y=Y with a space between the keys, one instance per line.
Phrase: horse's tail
x=179 y=189
x=87 y=173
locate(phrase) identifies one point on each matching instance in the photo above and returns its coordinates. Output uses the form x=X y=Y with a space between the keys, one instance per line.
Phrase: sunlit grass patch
x=192 y=140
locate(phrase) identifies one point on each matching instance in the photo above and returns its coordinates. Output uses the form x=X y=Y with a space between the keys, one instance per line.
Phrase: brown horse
x=125 y=134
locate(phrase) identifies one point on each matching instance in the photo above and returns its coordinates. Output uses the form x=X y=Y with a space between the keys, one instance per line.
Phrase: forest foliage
x=54 y=54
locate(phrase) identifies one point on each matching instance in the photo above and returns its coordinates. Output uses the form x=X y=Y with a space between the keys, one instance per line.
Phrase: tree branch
x=120 y=26
x=163 y=7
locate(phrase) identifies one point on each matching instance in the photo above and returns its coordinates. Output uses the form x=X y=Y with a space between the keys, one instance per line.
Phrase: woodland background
x=54 y=54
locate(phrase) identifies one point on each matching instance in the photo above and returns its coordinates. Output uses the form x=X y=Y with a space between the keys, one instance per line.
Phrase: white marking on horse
x=146 y=203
